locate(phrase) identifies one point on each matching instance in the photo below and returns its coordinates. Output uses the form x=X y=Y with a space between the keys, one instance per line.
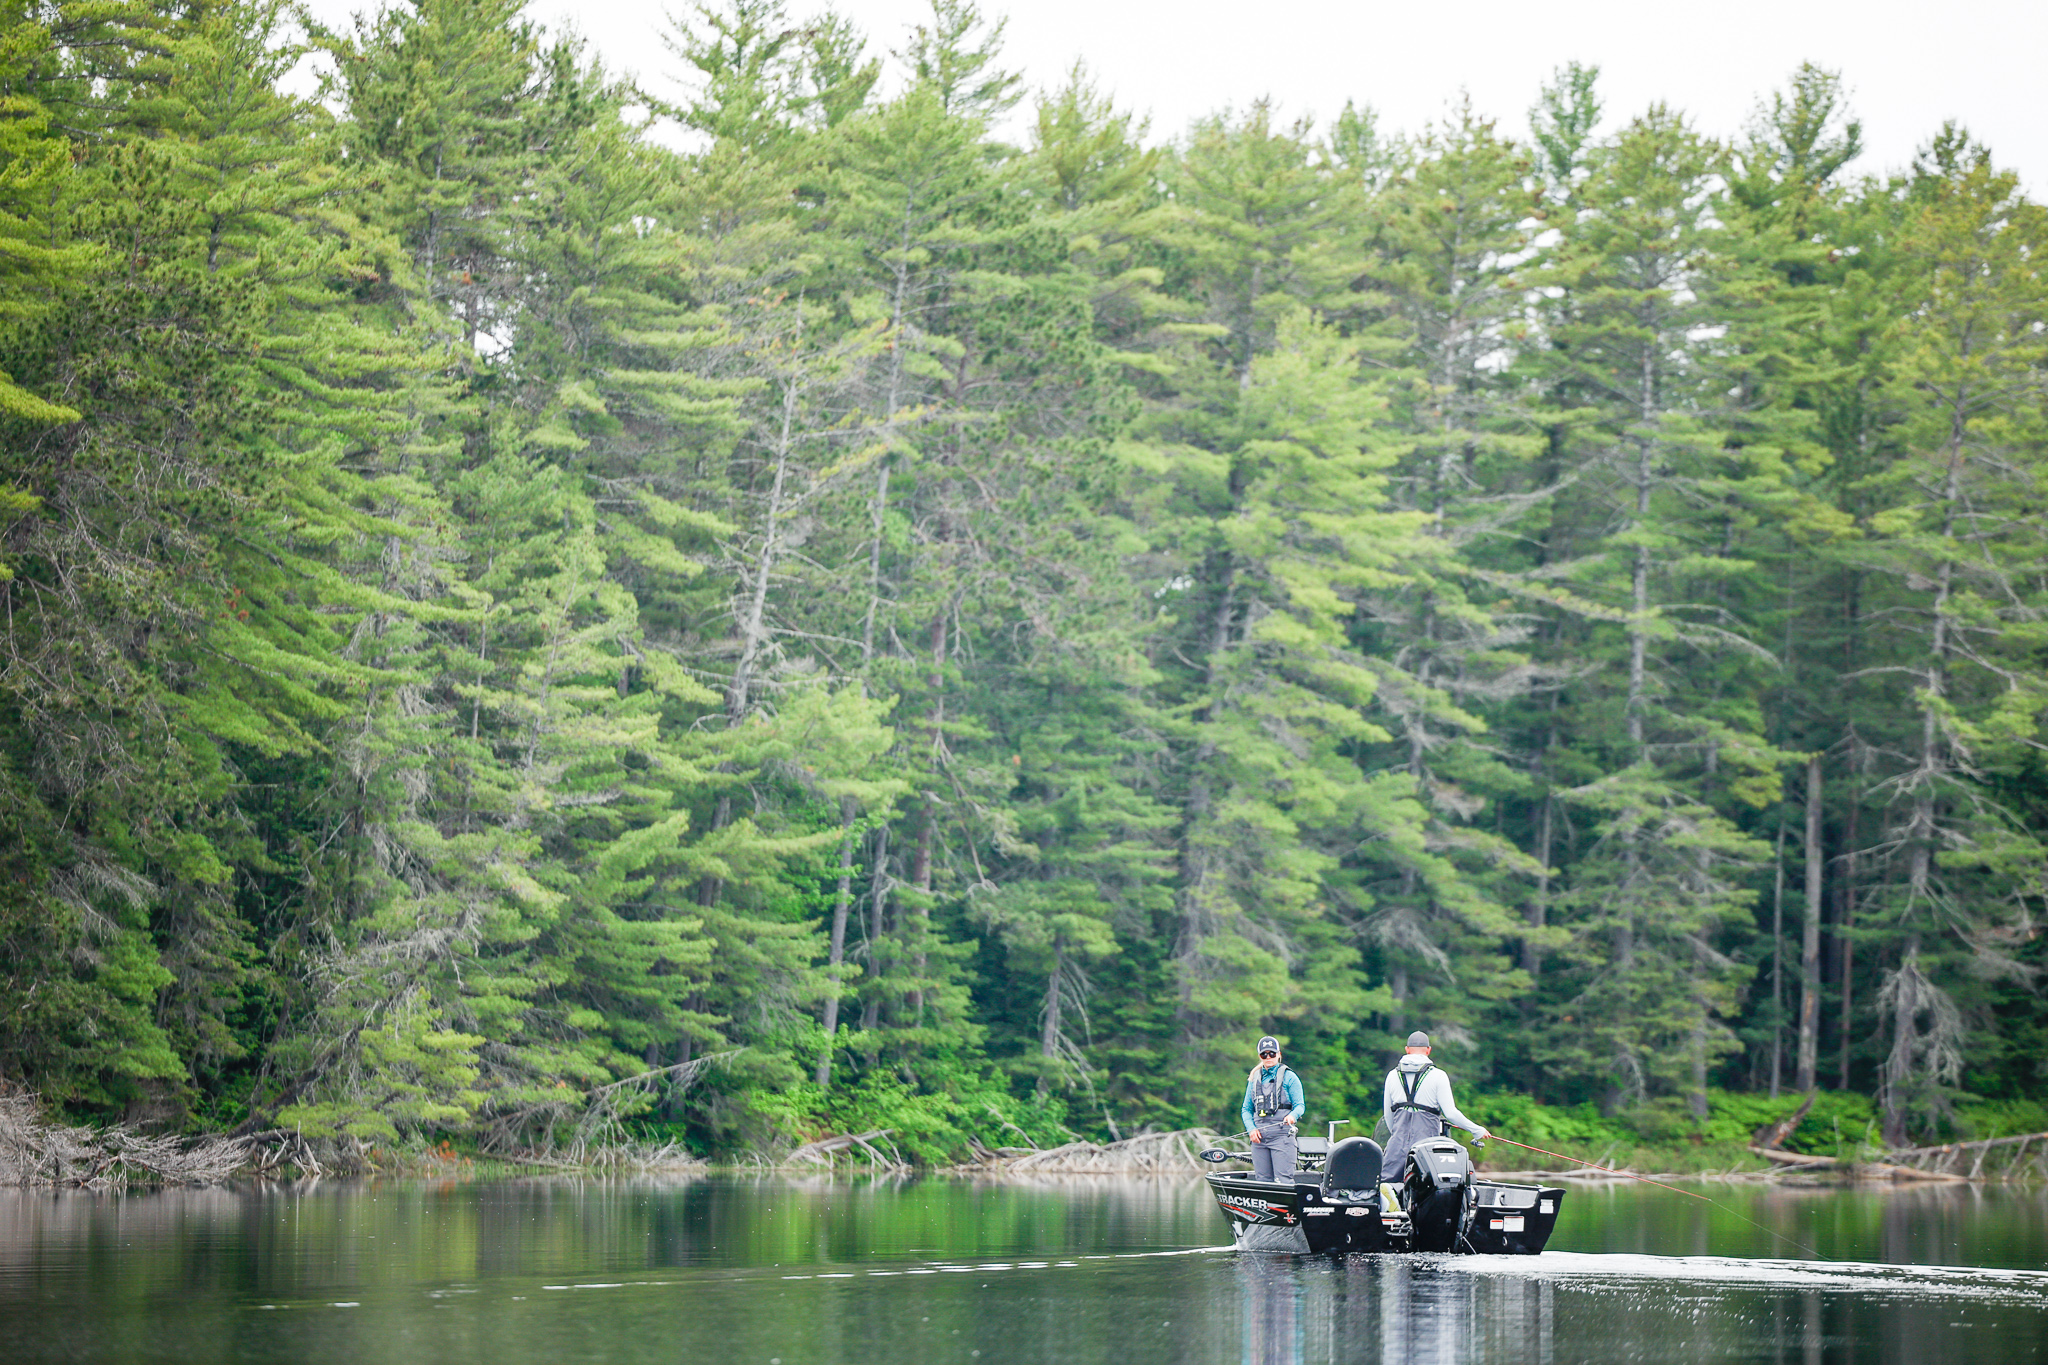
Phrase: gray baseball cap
x=1269 y=1044
x=1418 y=1039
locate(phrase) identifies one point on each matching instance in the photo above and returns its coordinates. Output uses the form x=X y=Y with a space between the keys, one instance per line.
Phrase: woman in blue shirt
x=1272 y=1113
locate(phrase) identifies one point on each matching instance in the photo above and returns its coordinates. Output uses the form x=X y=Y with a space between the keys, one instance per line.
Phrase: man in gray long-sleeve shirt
x=1417 y=1105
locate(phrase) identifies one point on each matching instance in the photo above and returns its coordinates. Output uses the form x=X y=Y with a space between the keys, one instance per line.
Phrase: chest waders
x=1274 y=1153
x=1409 y=1123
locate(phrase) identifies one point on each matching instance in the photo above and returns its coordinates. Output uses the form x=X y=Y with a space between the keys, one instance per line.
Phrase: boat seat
x=1352 y=1171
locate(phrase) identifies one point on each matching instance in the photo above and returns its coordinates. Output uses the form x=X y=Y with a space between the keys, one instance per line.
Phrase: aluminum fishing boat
x=1337 y=1203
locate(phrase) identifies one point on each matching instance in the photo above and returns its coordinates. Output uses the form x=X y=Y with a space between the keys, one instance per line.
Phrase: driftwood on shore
x=1773 y=1135
x=34 y=1151
x=38 y=1150
x=1800 y=1163
x=1146 y=1154
x=869 y=1145
x=2005 y=1158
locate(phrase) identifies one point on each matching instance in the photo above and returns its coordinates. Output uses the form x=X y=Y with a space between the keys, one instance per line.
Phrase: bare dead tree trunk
x=1844 y=931
x=878 y=899
x=1049 y=1025
x=928 y=822
x=1696 y=1101
x=1539 y=910
x=842 y=904
x=1907 y=987
x=1809 y=938
x=1898 y=1067
x=753 y=618
x=1638 y=695
x=1778 y=957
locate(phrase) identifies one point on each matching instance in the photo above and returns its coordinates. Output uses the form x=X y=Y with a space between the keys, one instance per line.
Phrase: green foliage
x=512 y=629
x=931 y=1123
x=1667 y=1135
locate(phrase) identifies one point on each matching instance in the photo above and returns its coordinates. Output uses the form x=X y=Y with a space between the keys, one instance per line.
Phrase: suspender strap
x=1411 y=1081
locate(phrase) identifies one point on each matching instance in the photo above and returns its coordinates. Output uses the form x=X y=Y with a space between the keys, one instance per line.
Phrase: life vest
x=1269 y=1098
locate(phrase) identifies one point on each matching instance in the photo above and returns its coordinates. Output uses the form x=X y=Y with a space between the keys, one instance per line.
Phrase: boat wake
x=1631 y=1271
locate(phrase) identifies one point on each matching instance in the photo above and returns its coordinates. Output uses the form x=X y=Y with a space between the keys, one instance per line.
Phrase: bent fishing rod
x=1631 y=1175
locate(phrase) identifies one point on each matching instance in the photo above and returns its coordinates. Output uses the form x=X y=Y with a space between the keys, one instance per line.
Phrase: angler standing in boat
x=1272 y=1113
x=1418 y=1104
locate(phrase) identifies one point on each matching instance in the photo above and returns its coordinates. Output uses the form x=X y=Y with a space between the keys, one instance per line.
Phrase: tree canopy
x=517 y=613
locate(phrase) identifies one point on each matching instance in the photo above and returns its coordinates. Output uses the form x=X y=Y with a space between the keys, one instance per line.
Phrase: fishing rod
x=1606 y=1170
x=1217 y=1154
x=1631 y=1175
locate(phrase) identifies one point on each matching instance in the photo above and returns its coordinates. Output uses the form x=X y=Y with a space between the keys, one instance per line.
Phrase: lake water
x=776 y=1271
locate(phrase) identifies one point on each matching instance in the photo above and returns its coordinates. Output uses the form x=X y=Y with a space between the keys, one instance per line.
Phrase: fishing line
x=1631 y=1175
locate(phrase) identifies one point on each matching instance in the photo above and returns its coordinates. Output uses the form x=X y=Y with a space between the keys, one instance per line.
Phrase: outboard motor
x=1352 y=1173
x=1439 y=1181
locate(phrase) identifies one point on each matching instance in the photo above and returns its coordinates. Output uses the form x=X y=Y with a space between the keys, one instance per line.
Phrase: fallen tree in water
x=2003 y=1158
x=1147 y=1154
x=1798 y=1163
x=34 y=1150
x=865 y=1147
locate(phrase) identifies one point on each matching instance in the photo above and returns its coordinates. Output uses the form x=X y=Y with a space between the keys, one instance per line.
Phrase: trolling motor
x=1310 y=1158
x=1217 y=1154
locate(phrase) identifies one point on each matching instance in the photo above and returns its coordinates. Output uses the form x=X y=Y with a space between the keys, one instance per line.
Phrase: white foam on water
x=1863 y=1277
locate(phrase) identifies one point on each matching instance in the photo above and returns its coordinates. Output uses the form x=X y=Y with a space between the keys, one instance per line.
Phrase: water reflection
x=1304 y=1311
x=1291 y=1310
x=903 y=1273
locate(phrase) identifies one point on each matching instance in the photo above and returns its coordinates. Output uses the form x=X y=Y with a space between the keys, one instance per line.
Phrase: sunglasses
x=1269 y=1054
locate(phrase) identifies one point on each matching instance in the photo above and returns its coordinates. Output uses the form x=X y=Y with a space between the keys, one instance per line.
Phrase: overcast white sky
x=1909 y=65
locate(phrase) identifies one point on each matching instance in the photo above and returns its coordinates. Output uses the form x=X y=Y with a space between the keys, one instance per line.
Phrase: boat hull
x=1485 y=1217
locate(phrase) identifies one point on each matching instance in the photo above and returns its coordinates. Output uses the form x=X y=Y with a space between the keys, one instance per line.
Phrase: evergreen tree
x=1443 y=288
x=1285 y=487
x=1958 y=531
x=1641 y=276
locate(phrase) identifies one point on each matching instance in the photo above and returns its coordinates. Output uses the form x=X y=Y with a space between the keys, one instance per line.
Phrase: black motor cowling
x=1353 y=1170
x=1439 y=1177
x=1437 y=1164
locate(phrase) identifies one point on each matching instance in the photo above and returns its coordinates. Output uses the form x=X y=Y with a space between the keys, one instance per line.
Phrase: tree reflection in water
x=1299 y=1310
x=958 y=1273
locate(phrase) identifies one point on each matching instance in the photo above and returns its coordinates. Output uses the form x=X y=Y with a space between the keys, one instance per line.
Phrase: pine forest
x=829 y=590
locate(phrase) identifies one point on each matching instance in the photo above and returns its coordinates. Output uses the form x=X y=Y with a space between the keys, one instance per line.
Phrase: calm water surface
x=786 y=1272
